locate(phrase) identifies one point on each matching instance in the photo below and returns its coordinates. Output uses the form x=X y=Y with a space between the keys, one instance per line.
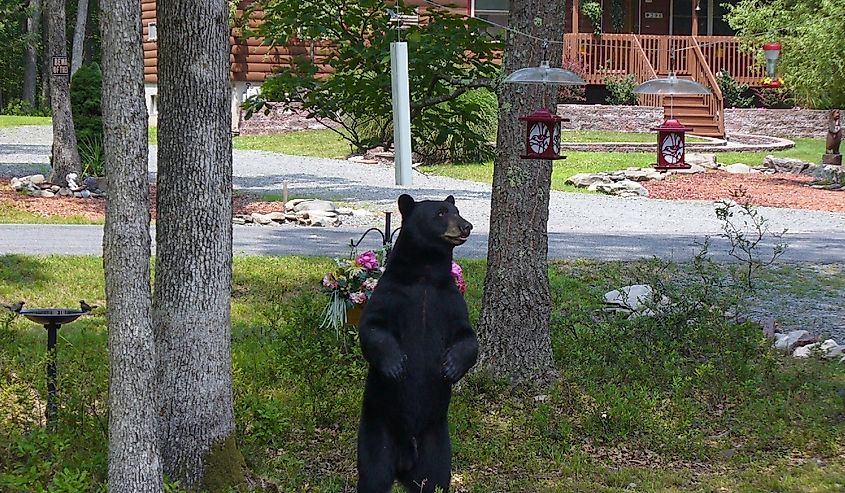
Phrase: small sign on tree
x=60 y=67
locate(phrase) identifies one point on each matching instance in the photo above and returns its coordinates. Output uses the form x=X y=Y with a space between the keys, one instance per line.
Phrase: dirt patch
x=777 y=190
x=95 y=209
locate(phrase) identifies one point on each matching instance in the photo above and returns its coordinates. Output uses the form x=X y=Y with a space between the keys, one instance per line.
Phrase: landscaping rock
x=261 y=218
x=277 y=216
x=694 y=169
x=36 y=179
x=785 y=164
x=315 y=205
x=821 y=347
x=585 y=179
x=739 y=168
x=703 y=160
x=796 y=338
x=238 y=220
x=626 y=187
x=632 y=298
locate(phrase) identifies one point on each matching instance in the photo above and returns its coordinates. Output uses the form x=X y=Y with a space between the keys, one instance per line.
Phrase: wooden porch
x=649 y=56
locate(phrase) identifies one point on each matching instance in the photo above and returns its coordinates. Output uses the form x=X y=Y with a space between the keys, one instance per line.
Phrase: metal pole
x=52 y=331
x=387 y=239
x=401 y=112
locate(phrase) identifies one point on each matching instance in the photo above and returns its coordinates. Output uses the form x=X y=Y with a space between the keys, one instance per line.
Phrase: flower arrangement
x=352 y=283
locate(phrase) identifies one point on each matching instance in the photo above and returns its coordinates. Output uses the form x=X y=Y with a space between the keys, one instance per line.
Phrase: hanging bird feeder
x=671 y=135
x=542 y=127
x=772 y=52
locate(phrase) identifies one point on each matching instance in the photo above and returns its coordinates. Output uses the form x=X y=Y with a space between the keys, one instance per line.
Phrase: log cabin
x=645 y=38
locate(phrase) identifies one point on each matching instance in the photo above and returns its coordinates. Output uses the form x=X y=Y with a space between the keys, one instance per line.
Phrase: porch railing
x=701 y=72
x=610 y=55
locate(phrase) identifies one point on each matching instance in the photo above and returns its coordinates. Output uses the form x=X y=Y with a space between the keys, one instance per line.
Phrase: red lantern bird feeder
x=671 y=138
x=542 y=135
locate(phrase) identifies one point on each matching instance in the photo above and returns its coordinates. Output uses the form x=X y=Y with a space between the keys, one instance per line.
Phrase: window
x=495 y=11
x=152 y=32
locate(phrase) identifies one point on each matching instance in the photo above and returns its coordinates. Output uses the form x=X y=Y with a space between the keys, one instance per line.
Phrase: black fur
x=416 y=336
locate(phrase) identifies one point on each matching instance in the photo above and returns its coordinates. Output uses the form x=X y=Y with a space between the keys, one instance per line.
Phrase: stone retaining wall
x=777 y=123
x=610 y=118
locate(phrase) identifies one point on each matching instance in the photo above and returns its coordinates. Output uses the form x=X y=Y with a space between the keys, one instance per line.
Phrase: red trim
x=469 y=7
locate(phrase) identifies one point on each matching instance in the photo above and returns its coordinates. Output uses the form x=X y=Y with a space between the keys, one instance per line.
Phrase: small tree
x=343 y=77
x=86 y=92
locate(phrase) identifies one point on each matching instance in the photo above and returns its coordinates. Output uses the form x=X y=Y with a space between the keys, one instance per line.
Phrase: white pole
x=401 y=112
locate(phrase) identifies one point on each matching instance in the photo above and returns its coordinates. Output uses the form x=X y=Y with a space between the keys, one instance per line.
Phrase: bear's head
x=433 y=223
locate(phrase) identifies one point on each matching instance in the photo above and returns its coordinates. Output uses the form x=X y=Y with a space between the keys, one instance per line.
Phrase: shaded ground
x=777 y=190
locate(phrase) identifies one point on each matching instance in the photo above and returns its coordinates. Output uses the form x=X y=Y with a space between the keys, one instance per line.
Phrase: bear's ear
x=406 y=203
x=450 y=199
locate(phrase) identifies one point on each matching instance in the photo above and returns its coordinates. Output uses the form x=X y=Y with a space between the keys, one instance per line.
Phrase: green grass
x=12 y=215
x=654 y=402
x=17 y=121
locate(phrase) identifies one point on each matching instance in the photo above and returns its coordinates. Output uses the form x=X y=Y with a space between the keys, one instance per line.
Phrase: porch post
x=573 y=46
x=695 y=7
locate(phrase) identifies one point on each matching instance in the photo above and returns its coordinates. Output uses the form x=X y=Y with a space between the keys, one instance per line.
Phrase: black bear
x=416 y=336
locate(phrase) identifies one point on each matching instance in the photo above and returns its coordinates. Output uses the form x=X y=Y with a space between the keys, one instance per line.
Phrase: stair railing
x=701 y=73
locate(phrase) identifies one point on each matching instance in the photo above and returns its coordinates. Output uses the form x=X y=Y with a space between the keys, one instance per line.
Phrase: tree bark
x=513 y=327
x=79 y=36
x=65 y=152
x=194 y=245
x=30 y=71
x=134 y=461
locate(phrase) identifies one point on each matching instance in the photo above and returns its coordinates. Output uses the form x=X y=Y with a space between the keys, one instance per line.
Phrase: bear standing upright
x=416 y=337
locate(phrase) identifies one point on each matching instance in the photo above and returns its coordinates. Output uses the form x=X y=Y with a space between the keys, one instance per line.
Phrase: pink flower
x=458 y=274
x=358 y=297
x=370 y=283
x=329 y=281
x=368 y=260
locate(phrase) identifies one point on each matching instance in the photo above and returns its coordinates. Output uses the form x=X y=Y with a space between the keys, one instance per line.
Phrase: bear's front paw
x=394 y=368
x=452 y=370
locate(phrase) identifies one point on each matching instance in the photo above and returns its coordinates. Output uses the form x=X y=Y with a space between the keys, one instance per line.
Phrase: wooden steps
x=694 y=113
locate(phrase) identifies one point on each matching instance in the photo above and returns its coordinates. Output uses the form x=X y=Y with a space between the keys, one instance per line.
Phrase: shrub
x=460 y=131
x=19 y=107
x=593 y=11
x=735 y=94
x=774 y=98
x=86 y=91
x=621 y=90
x=572 y=94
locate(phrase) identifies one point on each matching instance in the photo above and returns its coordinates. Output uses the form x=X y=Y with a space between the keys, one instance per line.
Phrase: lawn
x=17 y=121
x=12 y=215
x=686 y=402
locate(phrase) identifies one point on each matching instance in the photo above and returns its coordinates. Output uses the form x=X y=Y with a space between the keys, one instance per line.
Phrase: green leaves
x=448 y=55
x=812 y=62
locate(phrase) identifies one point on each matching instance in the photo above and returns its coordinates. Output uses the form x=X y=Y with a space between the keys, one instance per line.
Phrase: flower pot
x=353 y=315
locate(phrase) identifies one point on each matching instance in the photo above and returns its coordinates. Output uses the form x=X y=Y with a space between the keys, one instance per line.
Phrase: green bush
x=459 y=131
x=621 y=90
x=86 y=93
x=593 y=11
x=19 y=107
x=735 y=94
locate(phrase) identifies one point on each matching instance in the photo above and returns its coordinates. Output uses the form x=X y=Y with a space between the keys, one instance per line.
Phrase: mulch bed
x=95 y=209
x=777 y=190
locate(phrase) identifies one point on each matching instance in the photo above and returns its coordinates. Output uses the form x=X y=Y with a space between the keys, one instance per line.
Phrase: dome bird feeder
x=671 y=135
x=542 y=127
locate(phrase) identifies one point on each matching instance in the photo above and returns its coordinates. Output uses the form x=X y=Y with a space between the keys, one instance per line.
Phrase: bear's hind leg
x=433 y=467
x=377 y=457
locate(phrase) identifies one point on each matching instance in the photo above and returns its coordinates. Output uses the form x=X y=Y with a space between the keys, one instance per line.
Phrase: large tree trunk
x=30 y=70
x=65 y=152
x=194 y=245
x=134 y=461
x=79 y=36
x=514 y=324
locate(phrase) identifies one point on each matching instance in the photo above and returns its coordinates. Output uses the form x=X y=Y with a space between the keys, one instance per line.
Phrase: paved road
x=593 y=226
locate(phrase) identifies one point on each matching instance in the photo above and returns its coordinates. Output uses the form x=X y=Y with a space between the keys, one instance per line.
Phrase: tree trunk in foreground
x=134 y=461
x=30 y=70
x=513 y=327
x=194 y=246
x=79 y=36
x=65 y=153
